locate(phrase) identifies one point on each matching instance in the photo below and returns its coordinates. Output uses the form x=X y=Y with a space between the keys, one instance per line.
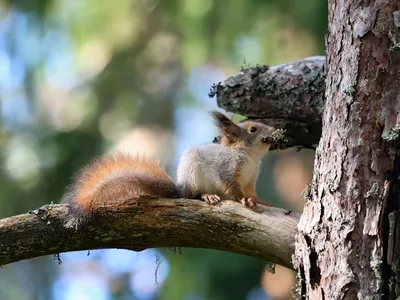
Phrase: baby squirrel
x=211 y=172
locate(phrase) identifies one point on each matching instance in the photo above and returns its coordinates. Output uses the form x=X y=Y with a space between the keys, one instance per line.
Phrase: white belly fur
x=194 y=172
x=197 y=175
x=209 y=184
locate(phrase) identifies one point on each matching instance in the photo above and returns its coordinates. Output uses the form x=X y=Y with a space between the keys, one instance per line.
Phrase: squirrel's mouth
x=266 y=140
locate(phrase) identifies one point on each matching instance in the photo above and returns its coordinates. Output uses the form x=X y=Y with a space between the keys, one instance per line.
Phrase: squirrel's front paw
x=211 y=198
x=250 y=202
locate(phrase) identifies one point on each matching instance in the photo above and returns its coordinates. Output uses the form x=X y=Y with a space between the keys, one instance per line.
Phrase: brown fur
x=235 y=187
x=242 y=192
x=249 y=189
x=115 y=178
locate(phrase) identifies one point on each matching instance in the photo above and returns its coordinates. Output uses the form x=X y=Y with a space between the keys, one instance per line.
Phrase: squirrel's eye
x=253 y=129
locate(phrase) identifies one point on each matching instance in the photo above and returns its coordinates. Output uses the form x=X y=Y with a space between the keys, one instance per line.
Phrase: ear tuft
x=219 y=118
x=227 y=127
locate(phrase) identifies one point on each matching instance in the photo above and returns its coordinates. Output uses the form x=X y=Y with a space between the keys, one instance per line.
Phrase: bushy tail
x=116 y=178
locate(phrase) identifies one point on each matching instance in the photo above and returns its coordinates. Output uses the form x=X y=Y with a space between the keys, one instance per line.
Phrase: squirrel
x=210 y=172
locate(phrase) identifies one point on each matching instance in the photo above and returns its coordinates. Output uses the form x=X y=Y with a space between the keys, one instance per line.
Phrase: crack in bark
x=314 y=271
x=302 y=279
x=391 y=233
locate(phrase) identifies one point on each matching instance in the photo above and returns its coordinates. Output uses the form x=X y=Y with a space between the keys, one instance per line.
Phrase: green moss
x=296 y=290
x=255 y=70
x=306 y=193
x=376 y=265
x=392 y=135
x=351 y=90
x=315 y=81
x=374 y=192
x=215 y=89
x=394 y=41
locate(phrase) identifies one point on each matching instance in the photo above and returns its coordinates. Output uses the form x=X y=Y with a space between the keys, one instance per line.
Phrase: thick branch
x=267 y=233
x=289 y=96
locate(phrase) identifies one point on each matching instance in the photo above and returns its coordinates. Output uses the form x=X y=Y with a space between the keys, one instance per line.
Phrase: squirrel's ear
x=227 y=127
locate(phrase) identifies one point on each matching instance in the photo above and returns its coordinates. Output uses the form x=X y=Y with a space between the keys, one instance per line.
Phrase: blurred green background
x=79 y=78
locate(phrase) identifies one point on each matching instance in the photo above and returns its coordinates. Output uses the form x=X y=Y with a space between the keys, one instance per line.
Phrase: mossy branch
x=266 y=233
x=288 y=96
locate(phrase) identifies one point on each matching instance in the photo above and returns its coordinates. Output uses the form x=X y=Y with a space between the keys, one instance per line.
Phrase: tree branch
x=288 y=96
x=266 y=233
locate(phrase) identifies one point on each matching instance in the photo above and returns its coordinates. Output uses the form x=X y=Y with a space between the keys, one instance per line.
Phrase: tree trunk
x=348 y=241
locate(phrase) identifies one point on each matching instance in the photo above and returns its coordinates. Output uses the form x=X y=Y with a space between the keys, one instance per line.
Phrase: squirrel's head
x=252 y=135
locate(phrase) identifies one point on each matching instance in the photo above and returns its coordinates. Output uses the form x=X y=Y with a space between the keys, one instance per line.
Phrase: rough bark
x=266 y=233
x=348 y=244
x=288 y=96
